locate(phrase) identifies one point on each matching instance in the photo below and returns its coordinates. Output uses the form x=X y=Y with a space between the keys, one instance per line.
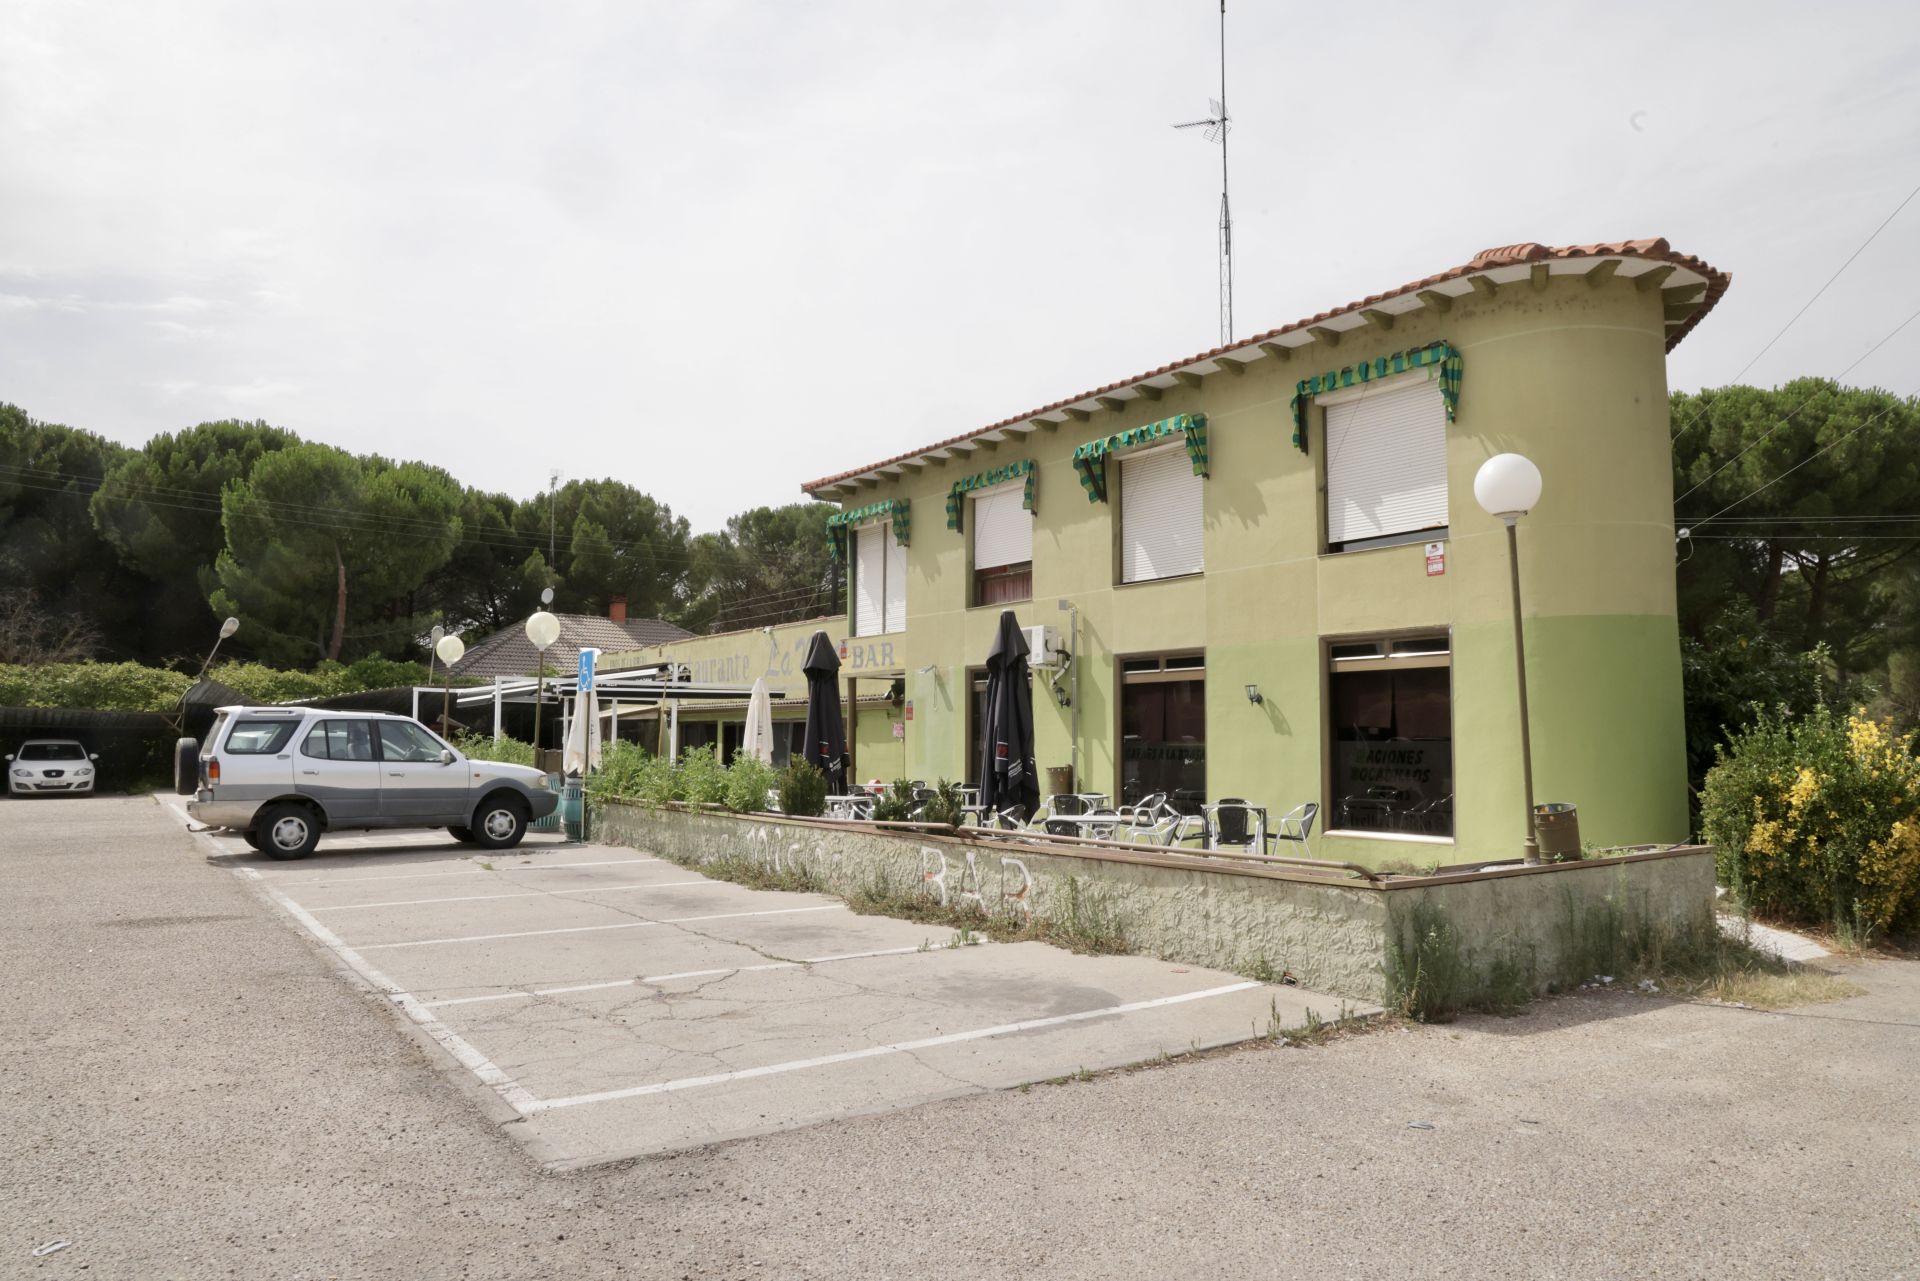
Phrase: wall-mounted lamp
x=1254 y=695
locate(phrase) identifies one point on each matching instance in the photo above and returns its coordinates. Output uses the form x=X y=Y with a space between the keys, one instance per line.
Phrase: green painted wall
x=1571 y=375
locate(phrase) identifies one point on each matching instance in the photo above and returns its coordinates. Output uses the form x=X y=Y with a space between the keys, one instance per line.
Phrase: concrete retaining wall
x=1332 y=935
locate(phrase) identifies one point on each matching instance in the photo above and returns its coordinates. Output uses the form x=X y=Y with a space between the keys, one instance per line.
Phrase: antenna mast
x=1216 y=126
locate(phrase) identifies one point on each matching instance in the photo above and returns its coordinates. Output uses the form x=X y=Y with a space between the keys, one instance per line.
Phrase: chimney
x=617 y=609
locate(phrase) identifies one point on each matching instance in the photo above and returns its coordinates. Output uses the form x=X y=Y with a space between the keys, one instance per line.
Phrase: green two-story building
x=1261 y=572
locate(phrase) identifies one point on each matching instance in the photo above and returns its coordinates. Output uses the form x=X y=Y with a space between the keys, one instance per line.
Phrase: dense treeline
x=133 y=554
x=1798 y=583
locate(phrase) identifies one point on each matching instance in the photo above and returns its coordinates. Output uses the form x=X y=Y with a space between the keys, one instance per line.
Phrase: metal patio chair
x=1236 y=824
x=1297 y=825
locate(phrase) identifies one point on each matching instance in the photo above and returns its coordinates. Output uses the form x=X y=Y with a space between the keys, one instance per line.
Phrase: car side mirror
x=93 y=756
x=9 y=755
x=446 y=756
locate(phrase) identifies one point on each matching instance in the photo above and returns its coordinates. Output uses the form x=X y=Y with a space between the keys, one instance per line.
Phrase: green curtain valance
x=898 y=510
x=1090 y=459
x=1443 y=354
x=956 y=496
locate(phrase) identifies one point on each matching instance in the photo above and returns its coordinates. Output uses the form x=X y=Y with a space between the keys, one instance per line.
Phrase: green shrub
x=1816 y=818
x=703 y=779
x=896 y=803
x=135 y=687
x=623 y=767
x=803 y=790
x=483 y=747
x=106 y=687
x=749 y=779
x=945 y=805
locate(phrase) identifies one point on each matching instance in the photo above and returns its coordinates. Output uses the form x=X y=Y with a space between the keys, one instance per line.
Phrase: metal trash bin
x=573 y=810
x=551 y=823
x=1556 y=828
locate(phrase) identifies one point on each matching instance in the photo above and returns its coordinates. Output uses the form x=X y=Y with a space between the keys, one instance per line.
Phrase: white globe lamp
x=543 y=629
x=450 y=649
x=1507 y=485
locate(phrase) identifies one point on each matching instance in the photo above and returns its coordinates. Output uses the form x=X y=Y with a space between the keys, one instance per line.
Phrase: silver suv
x=284 y=775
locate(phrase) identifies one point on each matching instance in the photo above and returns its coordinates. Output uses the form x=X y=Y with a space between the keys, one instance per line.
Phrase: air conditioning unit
x=1044 y=651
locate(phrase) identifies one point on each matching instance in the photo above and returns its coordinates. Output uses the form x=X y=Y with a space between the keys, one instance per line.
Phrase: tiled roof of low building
x=1646 y=262
x=508 y=652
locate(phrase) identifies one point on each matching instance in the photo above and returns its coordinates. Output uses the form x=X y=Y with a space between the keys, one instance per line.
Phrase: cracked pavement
x=203 y=1096
x=623 y=1005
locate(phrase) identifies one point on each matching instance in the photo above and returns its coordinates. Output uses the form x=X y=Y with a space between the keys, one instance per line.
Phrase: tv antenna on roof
x=1217 y=125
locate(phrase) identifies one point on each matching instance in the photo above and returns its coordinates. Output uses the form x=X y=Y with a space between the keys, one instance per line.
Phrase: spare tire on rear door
x=186 y=766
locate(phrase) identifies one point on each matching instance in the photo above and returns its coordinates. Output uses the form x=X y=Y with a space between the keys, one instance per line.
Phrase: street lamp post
x=450 y=649
x=1507 y=486
x=543 y=629
x=227 y=629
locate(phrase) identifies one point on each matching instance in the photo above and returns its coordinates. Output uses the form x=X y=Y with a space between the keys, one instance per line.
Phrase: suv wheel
x=287 y=831
x=499 y=822
x=186 y=766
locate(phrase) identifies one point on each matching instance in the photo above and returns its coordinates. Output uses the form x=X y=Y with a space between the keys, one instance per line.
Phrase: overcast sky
x=715 y=249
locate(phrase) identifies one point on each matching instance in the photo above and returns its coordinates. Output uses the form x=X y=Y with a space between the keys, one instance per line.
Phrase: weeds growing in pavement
x=1431 y=977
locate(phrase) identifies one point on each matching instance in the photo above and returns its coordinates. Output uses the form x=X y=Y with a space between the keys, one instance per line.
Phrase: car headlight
x=83 y=773
x=23 y=773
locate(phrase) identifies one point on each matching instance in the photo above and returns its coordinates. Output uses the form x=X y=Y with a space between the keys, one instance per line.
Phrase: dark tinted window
x=260 y=738
x=52 y=752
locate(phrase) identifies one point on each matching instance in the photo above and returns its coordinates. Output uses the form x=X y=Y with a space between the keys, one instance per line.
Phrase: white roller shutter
x=1161 y=522
x=1002 y=528
x=896 y=613
x=1387 y=461
x=869 y=579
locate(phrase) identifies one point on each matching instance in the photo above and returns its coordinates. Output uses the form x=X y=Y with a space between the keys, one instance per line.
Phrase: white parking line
x=479 y=1064
x=288 y=878
x=898 y=1047
x=588 y=929
x=481 y=898
x=692 y=974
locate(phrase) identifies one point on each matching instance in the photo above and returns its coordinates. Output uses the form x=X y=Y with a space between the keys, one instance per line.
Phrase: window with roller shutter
x=1386 y=468
x=879 y=581
x=1162 y=525
x=1002 y=545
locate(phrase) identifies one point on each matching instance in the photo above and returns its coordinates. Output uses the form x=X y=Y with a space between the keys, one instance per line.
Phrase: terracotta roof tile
x=1653 y=250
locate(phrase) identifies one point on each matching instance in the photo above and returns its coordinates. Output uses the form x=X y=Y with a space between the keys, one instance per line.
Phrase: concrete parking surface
x=190 y=1090
x=618 y=1004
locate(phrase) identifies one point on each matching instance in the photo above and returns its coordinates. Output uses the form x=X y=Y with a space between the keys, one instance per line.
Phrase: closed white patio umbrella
x=757 y=741
x=583 y=735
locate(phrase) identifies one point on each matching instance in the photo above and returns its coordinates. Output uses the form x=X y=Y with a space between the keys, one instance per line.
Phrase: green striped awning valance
x=1443 y=354
x=1090 y=459
x=898 y=510
x=957 y=496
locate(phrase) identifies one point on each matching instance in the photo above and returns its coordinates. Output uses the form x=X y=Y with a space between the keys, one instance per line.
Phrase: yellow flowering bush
x=1817 y=819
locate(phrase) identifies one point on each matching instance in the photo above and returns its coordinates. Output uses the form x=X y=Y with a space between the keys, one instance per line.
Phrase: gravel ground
x=194 y=1092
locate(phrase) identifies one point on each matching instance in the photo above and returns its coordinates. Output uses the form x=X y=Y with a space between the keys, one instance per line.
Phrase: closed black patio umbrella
x=1008 y=779
x=826 y=732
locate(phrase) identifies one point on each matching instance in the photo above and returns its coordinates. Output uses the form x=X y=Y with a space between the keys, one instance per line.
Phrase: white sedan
x=44 y=766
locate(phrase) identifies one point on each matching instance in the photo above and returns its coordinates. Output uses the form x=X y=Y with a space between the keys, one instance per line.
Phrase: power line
x=1889 y=408
x=1797 y=408
x=1803 y=309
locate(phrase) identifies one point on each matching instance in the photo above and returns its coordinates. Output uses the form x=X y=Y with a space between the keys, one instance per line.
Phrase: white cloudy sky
x=715 y=249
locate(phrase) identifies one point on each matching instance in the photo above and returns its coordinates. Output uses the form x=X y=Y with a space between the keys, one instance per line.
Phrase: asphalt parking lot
x=604 y=1003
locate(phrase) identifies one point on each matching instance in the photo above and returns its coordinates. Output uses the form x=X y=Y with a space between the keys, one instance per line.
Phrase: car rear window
x=259 y=738
x=52 y=752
